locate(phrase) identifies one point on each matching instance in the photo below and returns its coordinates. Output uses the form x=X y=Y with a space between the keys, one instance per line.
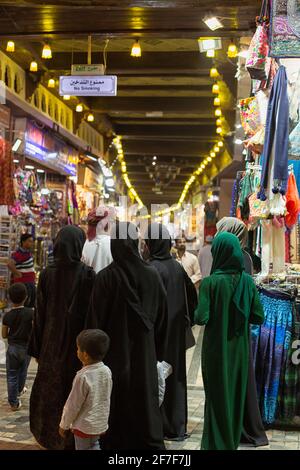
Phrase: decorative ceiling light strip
x=199 y=171
x=118 y=143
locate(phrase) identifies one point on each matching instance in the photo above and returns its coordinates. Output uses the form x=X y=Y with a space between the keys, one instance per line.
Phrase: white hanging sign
x=88 y=85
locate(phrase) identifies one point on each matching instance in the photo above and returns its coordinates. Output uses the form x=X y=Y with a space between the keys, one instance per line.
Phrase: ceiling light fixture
x=216 y=148
x=209 y=159
x=221 y=143
x=46 y=52
x=66 y=97
x=16 y=161
x=219 y=122
x=213 y=73
x=219 y=130
x=29 y=167
x=136 y=50
x=51 y=83
x=212 y=22
x=211 y=54
x=10 y=46
x=218 y=112
x=40 y=171
x=215 y=89
x=79 y=108
x=217 y=101
x=232 y=51
x=212 y=154
x=33 y=66
x=16 y=145
x=90 y=117
x=208 y=44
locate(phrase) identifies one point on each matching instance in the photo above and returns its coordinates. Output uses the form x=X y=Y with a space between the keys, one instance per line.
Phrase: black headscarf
x=132 y=270
x=158 y=241
x=68 y=245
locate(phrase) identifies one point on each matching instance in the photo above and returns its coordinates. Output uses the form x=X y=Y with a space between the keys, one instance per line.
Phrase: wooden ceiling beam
x=125 y=4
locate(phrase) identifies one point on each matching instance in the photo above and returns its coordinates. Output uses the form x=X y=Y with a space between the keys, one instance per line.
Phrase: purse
x=258 y=63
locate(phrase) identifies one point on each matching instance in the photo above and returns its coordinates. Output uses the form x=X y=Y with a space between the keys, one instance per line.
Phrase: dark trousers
x=17 y=362
x=31 y=295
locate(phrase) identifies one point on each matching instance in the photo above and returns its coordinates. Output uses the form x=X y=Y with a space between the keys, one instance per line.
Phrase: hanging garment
x=272 y=247
x=275 y=154
x=288 y=399
x=271 y=342
x=292 y=202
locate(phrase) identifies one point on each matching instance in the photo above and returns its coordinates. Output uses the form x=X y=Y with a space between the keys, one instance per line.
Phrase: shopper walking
x=228 y=301
x=96 y=251
x=182 y=299
x=16 y=327
x=205 y=257
x=188 y=261
x=63 y=296
x=129 y=303
x=253 y=428
x=21 y=265
x=86 y=410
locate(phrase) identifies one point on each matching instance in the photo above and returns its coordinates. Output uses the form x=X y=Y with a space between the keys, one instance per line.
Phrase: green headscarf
x=228 y=259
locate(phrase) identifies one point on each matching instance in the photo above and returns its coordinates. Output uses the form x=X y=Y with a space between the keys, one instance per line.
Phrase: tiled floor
x=15 y=433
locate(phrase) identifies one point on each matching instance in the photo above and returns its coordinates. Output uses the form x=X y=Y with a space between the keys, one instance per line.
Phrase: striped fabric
x=24 y=264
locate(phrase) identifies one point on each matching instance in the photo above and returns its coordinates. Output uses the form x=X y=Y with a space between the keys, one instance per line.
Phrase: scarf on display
x=98 y=221
x=275 y=153
x=228 y=259
x=235 y=226
x=158 y=241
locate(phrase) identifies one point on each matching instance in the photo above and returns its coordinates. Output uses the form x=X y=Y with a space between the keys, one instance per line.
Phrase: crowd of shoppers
x=112 y=298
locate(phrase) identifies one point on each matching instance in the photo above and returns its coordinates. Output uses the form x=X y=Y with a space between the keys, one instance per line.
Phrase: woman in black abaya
x=180 y=292
x=129 y=304
x=63 y=296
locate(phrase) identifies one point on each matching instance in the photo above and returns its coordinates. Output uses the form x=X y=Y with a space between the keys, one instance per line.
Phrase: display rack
x=9 y=233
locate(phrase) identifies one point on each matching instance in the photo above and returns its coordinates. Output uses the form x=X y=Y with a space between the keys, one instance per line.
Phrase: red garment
x=6 y=174
x=292 y=202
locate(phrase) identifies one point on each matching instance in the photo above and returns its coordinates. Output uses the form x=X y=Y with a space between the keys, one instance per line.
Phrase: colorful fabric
x=258 y=63
x=284 y=42
x=292 y=202
x=24 y=264
x=271 y=343
x=250 y=117
x=290 y=378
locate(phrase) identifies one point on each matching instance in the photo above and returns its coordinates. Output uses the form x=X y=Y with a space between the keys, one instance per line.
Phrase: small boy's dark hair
x=25 y=237
x=94 y=342
x=17 y=293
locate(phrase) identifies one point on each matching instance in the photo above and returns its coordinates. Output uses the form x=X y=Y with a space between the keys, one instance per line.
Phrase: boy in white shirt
x=86 y=410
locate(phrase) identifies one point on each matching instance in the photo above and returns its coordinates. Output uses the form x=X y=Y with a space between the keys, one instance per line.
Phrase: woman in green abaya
x=228 y=301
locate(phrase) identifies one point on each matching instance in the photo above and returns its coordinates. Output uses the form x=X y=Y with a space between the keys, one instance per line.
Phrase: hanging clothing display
x=6 y=182
x=275 y=154
x=271 y=344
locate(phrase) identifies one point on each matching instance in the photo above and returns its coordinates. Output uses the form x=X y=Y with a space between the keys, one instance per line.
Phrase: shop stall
x=266 y=197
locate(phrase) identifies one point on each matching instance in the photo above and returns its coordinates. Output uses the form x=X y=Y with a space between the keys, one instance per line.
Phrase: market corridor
x=15 y=433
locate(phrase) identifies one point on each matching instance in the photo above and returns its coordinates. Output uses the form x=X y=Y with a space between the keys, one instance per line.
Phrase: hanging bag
x=258 y=63
x=250 y=117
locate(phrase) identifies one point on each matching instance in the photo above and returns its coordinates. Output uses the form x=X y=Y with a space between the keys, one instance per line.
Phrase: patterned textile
x=284 y=41
x=6 y=173
x=271 y=343
x=290 y=379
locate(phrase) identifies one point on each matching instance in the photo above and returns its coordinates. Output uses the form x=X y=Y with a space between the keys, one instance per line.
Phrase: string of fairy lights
x=118 y=144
